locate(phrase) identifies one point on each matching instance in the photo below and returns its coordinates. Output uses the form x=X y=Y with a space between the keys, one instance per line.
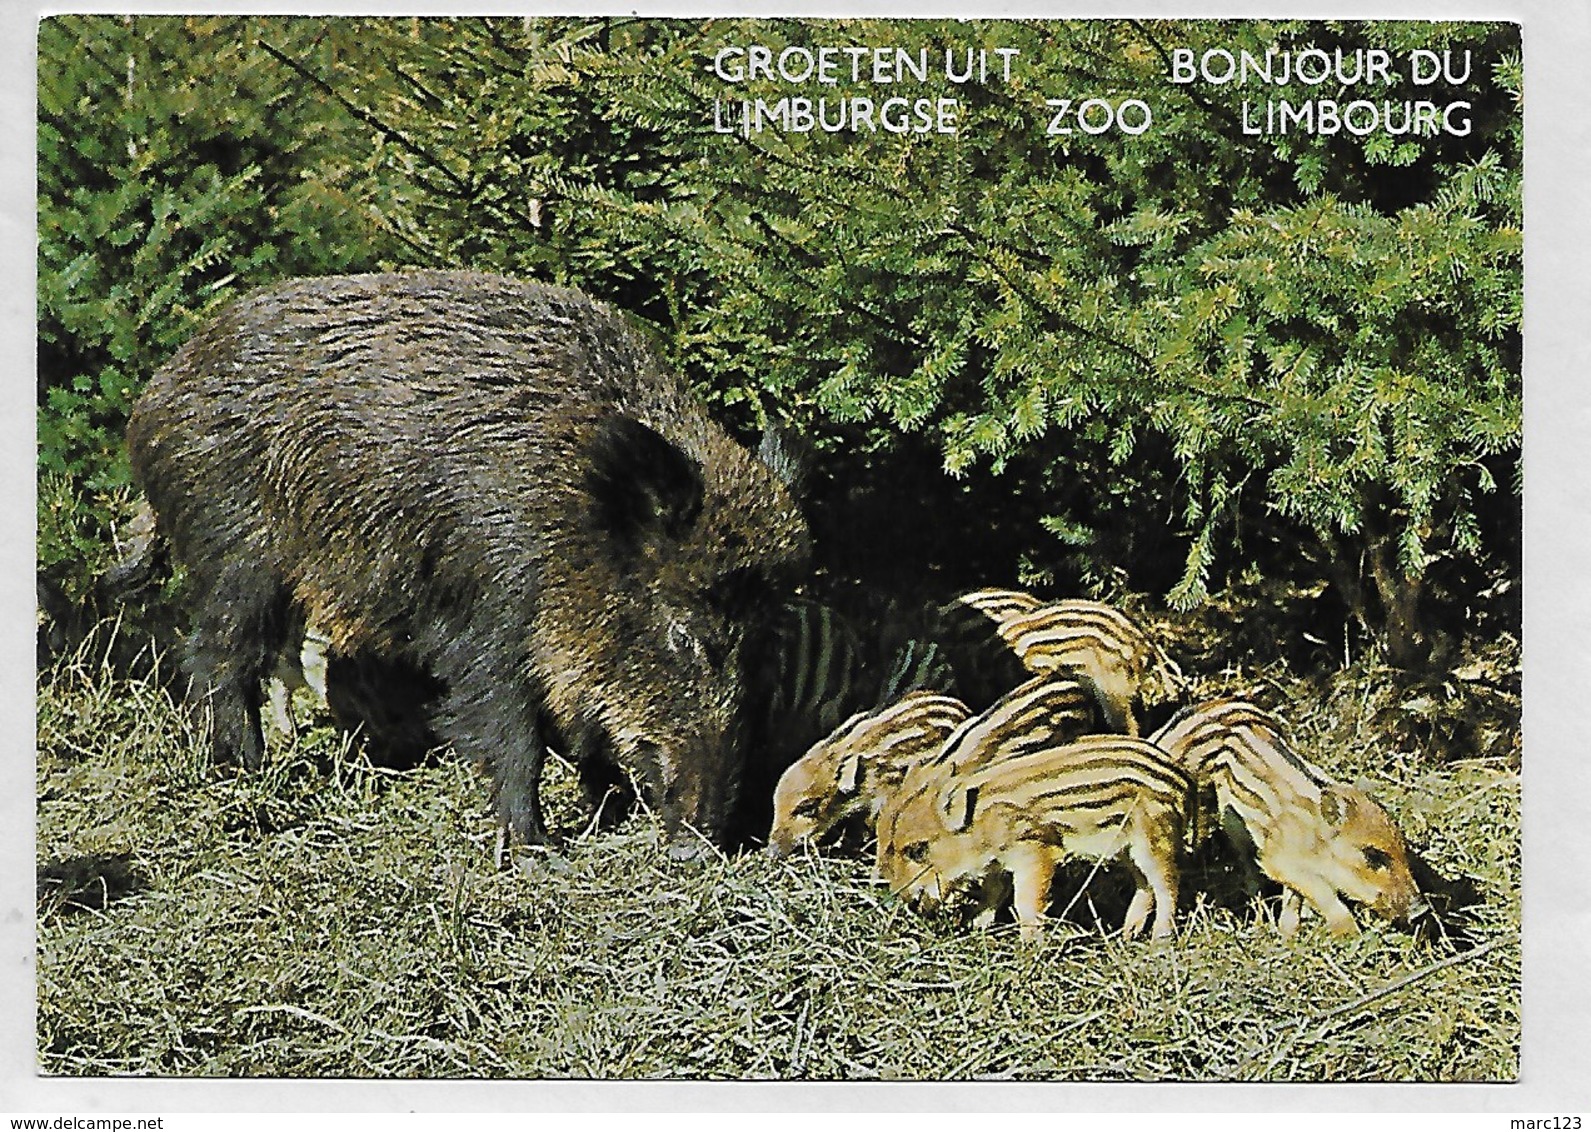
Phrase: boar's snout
x=697 y=787
x=1401 y=904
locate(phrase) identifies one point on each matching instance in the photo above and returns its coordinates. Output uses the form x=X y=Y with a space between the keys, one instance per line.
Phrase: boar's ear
x=958 y=803
x=642 y=485
x=787 y=454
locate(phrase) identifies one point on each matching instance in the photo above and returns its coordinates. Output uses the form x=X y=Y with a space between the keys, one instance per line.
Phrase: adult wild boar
x=498 y=483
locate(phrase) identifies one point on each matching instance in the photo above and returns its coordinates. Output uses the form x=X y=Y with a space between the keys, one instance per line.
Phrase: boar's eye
x=680 y=640
x=738 y=592
x=1376 y=858
x=916 y=851
x=806 y=807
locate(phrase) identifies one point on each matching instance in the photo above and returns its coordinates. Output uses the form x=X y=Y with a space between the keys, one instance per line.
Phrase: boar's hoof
x=688 y=850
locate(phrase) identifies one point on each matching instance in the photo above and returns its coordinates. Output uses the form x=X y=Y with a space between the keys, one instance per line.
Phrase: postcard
x=785 y=550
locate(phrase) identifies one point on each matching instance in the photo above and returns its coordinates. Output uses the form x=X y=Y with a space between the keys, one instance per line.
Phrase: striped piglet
x=1319 y=839
x=1044 y=711
x=1000 y=605
x=849 y=773
x=1102 y=644
x=1004 y=827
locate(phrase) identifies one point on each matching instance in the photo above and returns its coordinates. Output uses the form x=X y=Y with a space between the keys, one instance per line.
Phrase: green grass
x=325 y=918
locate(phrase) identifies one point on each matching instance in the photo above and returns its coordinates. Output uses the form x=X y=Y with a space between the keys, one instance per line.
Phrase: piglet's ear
x=957 y=804
x=850 y=772
x=1333 y=807
x=643 y=488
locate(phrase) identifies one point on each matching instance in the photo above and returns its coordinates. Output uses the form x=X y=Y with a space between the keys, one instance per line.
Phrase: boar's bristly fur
x=498 y=483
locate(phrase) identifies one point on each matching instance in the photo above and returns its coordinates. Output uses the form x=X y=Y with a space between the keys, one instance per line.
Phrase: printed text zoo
x=1097 y=116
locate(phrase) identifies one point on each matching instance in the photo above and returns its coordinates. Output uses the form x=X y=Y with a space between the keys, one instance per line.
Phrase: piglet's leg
x=1165 y=886
x=1152 y=852
x=1163 y=880
x=1339 y=921
x=1138 y=911
x=993 y=893
x=1032 y=869
x=1292 y=913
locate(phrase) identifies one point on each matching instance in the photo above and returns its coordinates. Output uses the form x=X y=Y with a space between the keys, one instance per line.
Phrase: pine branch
x=462 y=189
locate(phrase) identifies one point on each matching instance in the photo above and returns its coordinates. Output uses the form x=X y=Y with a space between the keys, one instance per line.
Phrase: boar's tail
x=144 y=554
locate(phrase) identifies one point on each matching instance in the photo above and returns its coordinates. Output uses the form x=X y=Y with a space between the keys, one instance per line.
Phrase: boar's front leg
x=490 y=714
x=607 y=787
x=517 y=775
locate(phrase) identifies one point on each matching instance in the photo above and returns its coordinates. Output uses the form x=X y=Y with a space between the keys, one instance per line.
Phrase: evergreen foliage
x=177 y=164
x=1168 y=359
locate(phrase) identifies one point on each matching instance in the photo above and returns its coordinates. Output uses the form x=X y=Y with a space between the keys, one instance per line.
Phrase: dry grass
x=325 y=918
